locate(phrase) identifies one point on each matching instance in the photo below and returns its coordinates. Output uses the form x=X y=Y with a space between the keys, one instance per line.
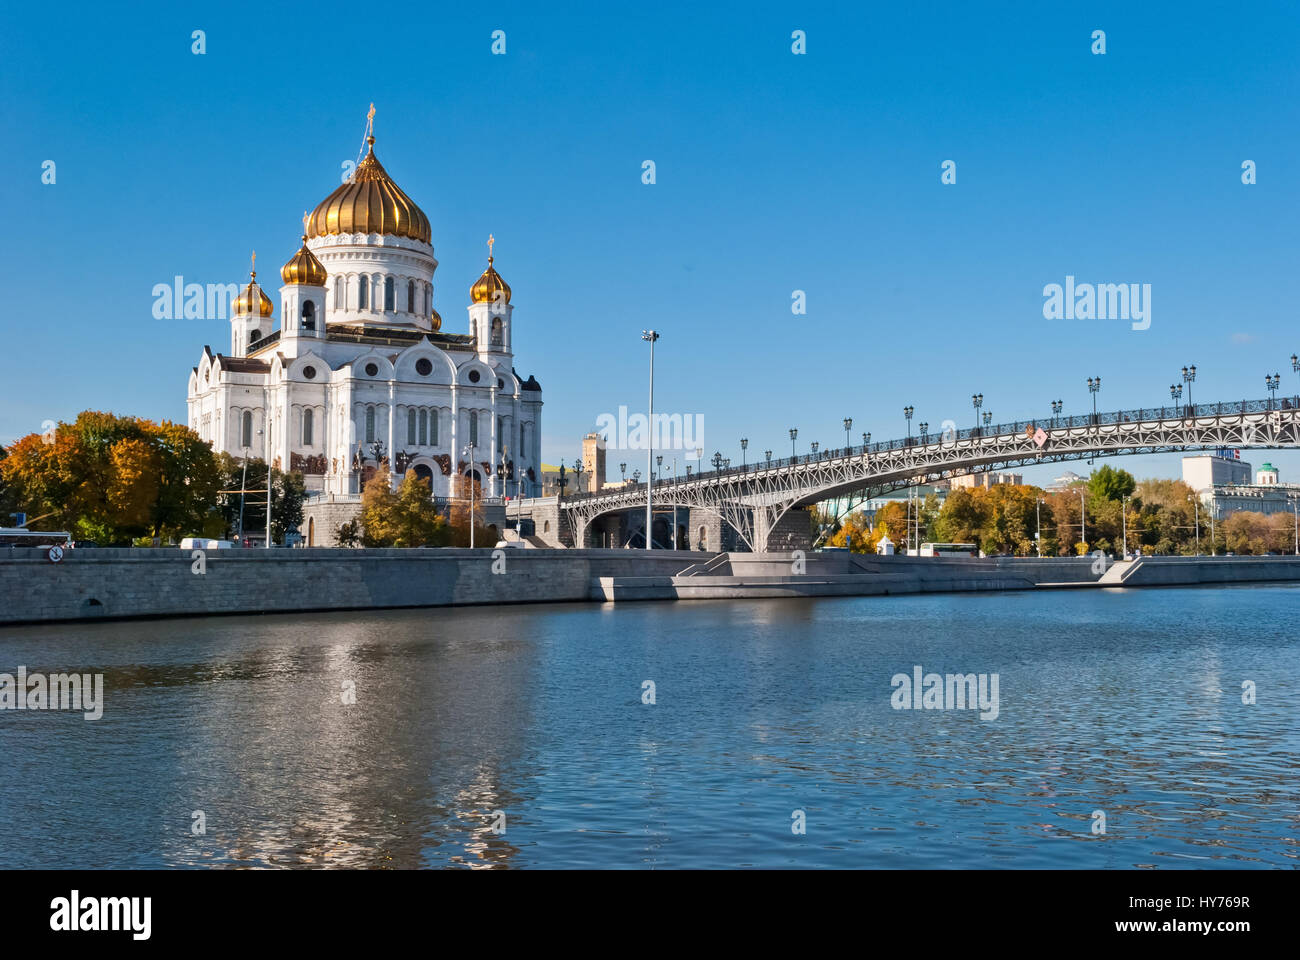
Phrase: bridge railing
x=1017 y=428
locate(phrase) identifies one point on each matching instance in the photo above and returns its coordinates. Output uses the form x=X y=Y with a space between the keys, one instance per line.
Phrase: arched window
x=433 y=427
x=428 y=307
x=246 y=429
x=410 y=296
x=306 y=428
x=363 y=293
x=410 y=427
x=390 y=296
x=254 y=336
x=308 y=315
x=424 y=427
x=338 y=294
x=496 y=331
x=501 y=434
x=473 y=428
x=370 y=424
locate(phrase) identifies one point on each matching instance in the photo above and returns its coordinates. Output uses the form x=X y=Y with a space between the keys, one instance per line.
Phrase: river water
x=521 y=736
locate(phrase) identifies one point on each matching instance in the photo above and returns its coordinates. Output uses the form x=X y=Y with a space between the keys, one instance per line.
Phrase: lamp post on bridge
x=650 y=336
x=1038 y=518
x=744 y=445
x=1196 y=509
x=815 y=445
x=988 y=418
x=907 y=415
x=848 y=425
x=1272 y=384
x=717 y=460
x=1189 y=377
x=977 y=401
x=1175 y=392
x=1094 y=385
x=1057 y=405
x=622 y=469
x=1295 y=365
x=767 y=455
x=925 y=431
x=794 y=432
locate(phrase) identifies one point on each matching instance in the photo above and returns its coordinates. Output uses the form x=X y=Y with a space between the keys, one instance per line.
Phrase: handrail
x=1016 y=428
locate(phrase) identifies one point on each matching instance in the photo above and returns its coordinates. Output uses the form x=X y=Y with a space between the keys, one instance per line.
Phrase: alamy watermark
x=669 y=431
x=1100 y=301
x=953 y=691
x=193 y=301
x=59 y=691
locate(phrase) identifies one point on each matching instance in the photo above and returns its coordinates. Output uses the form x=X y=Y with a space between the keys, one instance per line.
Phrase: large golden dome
x=369 y=203
x=435 y=318
x=486 y=287
x=303 y=268
x=244 y=302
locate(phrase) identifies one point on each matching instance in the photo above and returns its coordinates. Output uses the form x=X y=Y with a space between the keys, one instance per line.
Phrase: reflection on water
x=531 y=718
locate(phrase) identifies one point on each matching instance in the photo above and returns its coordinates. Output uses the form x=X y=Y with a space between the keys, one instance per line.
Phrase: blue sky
x=774 y=172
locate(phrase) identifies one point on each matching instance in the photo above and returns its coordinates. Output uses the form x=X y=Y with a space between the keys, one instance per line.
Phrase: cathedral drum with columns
x=359 y=374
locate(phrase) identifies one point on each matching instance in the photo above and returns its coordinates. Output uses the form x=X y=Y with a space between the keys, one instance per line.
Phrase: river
x=522 y=736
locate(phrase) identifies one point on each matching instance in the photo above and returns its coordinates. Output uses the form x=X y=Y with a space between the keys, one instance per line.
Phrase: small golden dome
x=244 y=302
x=436 y=320
x=369 y=203
x=486 y=287
x=303 y=268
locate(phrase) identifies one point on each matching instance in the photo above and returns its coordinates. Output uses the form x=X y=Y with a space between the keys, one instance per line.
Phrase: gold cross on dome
x=254 y=270
x=305 y=217
x=491 y=240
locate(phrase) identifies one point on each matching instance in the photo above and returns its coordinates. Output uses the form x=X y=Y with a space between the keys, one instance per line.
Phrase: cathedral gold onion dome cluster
x=303 y=268
x=368 y=203
x=244 y=302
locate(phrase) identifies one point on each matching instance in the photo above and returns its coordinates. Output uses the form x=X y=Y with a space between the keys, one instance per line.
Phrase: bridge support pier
x=705 y=529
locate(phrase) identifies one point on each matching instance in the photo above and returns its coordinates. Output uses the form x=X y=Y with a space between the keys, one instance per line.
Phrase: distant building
x=1266 y=495
x=986 y=479
x=1206 y=470
x=1065 y=481
x=593 y=463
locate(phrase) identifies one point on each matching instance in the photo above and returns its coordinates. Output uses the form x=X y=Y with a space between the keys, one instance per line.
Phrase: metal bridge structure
x=753 y=498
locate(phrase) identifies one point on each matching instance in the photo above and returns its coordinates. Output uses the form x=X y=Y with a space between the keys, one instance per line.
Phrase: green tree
x=1107 y=483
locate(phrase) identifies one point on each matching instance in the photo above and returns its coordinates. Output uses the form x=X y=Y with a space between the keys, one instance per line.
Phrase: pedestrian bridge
x=753 y=498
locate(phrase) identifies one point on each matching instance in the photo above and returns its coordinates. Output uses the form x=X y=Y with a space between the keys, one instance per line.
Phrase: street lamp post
x=907 y=414
x=1083 y=520
x=848 y=425
x=1175 y=392
x=1056 y=410
x=1094 y=384
x=1272 y=382
x=1189 y=377
x=650 y=336
x=794 y=432
x=622 y=469
x=468 y=449
x=744 y=445
x=659 y=464
x=268 y=483
x=1295 y=365
x=1123 y=516
x=988 y=418
x=1196 y=509
x=717 y=460
x=924 y=427
x=1038 y=518
x=767 y=455
x=977 y=401
x=815 y=445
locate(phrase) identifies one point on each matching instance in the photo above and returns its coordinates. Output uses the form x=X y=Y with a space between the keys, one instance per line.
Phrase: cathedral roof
x=244 y=302
x=370 y=202
x=487 y=286
x=303 y=268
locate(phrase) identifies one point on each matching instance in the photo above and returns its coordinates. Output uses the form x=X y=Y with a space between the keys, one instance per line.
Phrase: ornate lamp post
x=717 y=460
x=578 y=467
x=659 y=462
x=1094 y=384
x=907 y=415
x=1189 y=377
x=1295 y=363
x=925 y=431
x=636 y=477
x=815 y=445
x=1175 y=392
x=794 y=432
x=767 y=455
x=468 y=450
x=744 y=445
x=1057 y=405
x=1272 y=384
x=977 y=401
x=988 y=418
x=848 y=425
x=1196 y=509
x=622 y=469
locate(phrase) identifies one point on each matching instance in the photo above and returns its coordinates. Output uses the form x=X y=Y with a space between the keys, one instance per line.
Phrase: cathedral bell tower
x=250 y=316
x=489 y=311
x=302 y=297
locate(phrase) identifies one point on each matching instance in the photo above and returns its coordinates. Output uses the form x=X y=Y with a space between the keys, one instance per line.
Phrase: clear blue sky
x=775 y=172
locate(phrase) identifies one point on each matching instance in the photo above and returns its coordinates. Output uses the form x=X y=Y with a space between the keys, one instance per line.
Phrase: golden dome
x=486 y=287
x=303 y=268
x=244 y=302
x=369 y=203
x=436 y=320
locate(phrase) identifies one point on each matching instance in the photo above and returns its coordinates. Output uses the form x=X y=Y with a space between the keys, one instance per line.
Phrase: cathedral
x=359 y=373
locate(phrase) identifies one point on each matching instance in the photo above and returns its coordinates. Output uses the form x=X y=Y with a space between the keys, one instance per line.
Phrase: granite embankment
x=115 y=583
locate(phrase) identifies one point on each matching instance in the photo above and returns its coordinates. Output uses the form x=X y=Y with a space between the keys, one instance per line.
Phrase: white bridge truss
x=754 y=498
